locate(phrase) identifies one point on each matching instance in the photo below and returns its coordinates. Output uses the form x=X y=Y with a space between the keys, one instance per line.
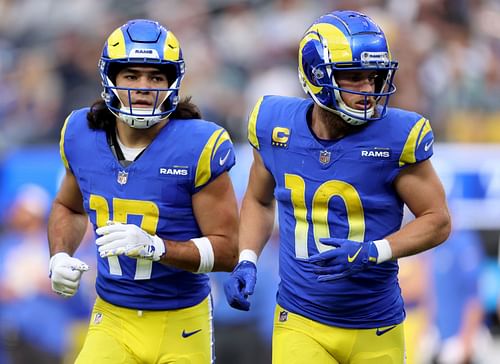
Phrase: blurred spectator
x=447 y=51
x=245 y=337
x=459 y=316
x=34 y=323
x=414 y=279
x=34 y=94
x=445 y=321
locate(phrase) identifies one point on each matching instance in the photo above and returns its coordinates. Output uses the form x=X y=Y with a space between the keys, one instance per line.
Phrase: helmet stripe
x=338 y=44
x=171 y=50
x=116 y=45
x=339 y=49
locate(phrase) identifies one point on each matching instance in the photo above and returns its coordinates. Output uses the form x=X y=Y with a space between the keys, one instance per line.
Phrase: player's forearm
x=66 y=229
x=423 y=233
x=186 y=255
x=256 y=224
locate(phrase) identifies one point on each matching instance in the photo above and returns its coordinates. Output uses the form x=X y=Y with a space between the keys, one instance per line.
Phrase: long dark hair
x=100 y=118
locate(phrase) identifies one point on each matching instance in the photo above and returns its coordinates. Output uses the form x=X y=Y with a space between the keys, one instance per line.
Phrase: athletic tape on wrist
x=206 y=254
x=384 y=250
x=248 y=254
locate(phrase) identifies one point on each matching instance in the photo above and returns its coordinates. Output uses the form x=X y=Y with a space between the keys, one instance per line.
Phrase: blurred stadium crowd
x=238 y=49
x=235 y=51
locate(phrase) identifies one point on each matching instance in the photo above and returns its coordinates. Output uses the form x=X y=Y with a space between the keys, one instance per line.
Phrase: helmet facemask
x=165 y=100
x=375 y=110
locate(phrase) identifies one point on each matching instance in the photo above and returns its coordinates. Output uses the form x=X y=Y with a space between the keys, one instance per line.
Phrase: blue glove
x=349 y=257
x=240 y=285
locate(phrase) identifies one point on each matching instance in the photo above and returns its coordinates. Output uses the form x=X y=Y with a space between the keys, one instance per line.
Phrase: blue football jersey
x=154 y=192
x=341 y=188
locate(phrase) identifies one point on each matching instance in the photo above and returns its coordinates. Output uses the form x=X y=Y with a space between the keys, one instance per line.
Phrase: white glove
x=65 y=273
x=129 y=240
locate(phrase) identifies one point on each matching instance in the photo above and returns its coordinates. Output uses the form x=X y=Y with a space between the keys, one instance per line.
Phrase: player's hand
x=129 y=240
x=240 y=285
x=348 y=258
x=65 y=273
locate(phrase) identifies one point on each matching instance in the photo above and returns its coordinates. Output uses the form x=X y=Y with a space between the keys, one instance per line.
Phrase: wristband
x=206 y=254
x=384 y=250
x=248 y=254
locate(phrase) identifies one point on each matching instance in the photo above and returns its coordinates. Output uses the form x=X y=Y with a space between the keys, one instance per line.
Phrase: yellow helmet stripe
x=408 y=153
x=61 y=143
x=203 y=169
x=339 y=49
x=171 y=50
x=252 y=124
x=116 y=45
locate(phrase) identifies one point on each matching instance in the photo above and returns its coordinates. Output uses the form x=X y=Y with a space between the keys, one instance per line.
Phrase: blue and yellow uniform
x=155 y=192
x=341 y=188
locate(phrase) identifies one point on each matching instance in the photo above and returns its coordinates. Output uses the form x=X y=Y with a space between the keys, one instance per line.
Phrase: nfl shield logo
x=283 y=316
x=324 y=156
x=122 y=177
x=97 y=318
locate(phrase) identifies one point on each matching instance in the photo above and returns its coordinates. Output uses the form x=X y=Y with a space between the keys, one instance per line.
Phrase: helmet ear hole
x=113 y=70
x=171 y=73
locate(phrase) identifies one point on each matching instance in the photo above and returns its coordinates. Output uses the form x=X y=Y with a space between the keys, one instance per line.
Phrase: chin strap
x=142 y=118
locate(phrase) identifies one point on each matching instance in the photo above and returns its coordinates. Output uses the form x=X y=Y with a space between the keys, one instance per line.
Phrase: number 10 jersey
x=341 y=188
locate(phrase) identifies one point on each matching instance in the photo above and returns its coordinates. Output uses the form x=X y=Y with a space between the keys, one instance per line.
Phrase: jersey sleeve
x=419 y=144
x=66 y=140
x=259 y=125
x=216 y=157
x=270 y=125
x=252 y=125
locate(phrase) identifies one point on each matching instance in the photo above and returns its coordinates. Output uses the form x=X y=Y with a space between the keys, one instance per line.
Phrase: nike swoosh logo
x=380 y=332
x=428 y=145
x=223 y=160
x=353 y=258
x=189 y=333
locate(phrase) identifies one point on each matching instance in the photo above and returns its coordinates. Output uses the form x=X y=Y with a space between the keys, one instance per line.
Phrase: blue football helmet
x=346 y=41
x=142 y=42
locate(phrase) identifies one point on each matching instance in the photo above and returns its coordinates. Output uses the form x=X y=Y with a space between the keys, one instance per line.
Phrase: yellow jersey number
x=121 y=208
x=319 y=212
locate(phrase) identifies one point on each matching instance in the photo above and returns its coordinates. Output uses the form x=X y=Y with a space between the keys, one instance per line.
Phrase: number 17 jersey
x=154 y=192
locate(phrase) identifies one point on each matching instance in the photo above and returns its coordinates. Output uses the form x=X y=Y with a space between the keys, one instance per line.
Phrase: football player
x=152 y=177
x=341 y=165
